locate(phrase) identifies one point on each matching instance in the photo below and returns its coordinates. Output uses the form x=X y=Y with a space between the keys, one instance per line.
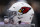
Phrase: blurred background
x=6 y=4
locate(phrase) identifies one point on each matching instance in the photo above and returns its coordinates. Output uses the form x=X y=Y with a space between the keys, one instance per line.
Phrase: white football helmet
x=24 y=12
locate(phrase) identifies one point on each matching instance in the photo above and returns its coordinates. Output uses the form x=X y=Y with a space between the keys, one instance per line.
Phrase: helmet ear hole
x=19 y=22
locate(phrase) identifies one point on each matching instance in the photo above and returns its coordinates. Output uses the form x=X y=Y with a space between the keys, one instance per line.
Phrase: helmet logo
x=24 y=10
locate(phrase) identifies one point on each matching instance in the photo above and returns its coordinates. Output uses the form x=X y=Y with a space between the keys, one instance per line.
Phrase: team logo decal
x=24 y=10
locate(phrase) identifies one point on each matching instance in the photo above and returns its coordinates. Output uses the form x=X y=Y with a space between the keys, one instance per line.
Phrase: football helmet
x=23 y=10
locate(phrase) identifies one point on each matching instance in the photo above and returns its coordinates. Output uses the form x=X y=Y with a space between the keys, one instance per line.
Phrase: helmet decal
x=24 y=10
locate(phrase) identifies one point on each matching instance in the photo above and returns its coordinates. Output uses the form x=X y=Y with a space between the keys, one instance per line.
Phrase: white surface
x=10 y=25
x=26 y=17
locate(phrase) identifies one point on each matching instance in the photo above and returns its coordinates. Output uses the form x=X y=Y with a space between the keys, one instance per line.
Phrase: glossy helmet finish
x=24 y=11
